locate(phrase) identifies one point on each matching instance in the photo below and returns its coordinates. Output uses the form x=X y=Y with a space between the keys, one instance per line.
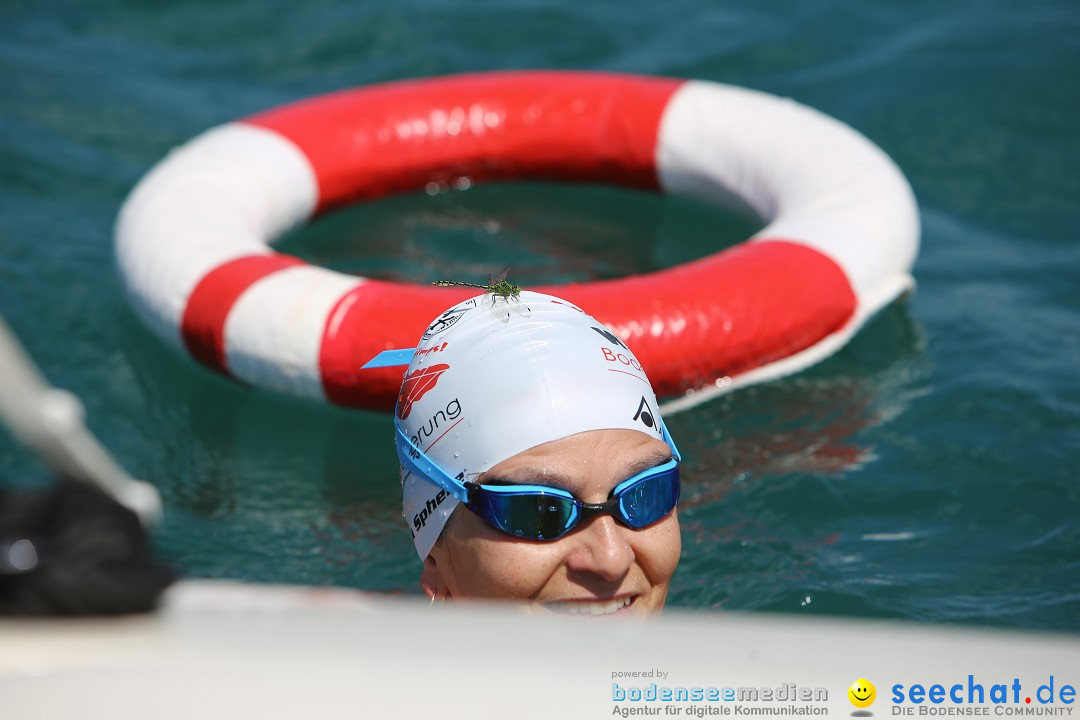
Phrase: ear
x=433 y=580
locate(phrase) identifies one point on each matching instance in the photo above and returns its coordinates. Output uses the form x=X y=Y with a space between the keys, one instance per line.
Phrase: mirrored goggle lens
x=644 y=502
x=535 y=516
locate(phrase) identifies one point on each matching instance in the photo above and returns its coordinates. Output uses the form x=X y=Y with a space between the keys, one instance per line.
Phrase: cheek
x=658 y=550
x=485 y=564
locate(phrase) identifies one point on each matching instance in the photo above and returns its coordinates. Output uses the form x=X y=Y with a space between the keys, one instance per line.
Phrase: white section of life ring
x=813 y=179
x=220 y=196
x=303 y=296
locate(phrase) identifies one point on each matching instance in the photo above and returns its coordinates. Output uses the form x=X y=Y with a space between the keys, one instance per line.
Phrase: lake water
x=928 y=471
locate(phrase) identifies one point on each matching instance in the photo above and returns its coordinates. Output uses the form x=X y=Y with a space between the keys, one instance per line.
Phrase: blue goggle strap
x=670 y=442
x=415 y=461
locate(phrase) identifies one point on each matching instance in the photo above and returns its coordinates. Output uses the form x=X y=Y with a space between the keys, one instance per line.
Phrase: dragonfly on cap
x=499 y=287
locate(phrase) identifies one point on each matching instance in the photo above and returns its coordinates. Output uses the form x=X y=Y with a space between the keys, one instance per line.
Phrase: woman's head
x=532 y=414
x=598 y=568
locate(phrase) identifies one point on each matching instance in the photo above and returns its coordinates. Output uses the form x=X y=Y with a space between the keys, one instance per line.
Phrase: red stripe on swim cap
x=586 y=127
x=416 y=385
x=208 y=307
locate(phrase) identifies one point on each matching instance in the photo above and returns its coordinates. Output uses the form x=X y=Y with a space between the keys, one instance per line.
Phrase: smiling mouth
x=860 y=698
x=578 y=607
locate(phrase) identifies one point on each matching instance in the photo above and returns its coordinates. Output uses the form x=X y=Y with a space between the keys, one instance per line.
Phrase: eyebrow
x=657 y=457
x=535 y=476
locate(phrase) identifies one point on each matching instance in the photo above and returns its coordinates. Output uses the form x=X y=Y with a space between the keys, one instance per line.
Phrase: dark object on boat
x=70 y=549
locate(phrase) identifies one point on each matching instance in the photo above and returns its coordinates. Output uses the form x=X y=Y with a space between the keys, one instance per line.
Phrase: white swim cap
x=493 y=378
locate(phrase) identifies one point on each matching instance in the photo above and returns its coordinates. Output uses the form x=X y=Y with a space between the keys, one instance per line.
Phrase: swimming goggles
x=539 y=512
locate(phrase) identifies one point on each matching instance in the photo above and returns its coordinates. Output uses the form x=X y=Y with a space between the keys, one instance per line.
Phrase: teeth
x=590 y=608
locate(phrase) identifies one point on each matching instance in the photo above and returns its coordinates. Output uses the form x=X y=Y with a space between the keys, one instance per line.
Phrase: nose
x=601 y=548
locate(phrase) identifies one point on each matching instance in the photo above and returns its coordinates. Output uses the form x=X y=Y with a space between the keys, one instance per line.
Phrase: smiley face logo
x=862 y=693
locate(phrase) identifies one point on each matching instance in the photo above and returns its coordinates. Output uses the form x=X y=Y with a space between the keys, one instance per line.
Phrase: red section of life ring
x=721 y=316
x=203 y=326
x=371 y=142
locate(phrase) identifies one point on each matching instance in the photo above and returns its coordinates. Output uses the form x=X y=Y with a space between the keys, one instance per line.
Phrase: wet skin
x=601 y=569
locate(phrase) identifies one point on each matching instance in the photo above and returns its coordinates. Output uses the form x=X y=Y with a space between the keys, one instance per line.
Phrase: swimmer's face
x=602 y=568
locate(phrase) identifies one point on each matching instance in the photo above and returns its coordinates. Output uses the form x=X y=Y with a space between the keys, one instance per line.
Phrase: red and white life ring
x=842 y=233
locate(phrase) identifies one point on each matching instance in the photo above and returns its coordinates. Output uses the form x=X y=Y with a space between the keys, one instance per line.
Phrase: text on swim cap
x=435 y=422
x=421 y=352
x=612 y=356
x=446 y=321
x=420 y=519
